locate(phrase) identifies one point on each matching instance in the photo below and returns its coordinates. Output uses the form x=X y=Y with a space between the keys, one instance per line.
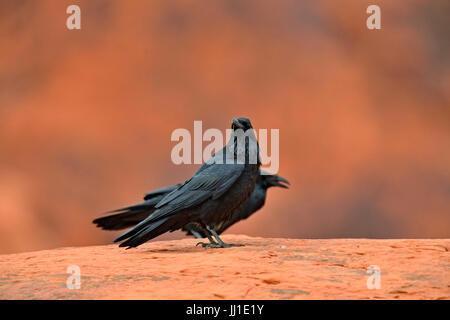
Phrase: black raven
x=129 y=216
x=210 y=196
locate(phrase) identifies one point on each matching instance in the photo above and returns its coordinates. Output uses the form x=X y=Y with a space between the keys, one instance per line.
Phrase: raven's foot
x=219 y=245
x=220 y=242
x=209 y=245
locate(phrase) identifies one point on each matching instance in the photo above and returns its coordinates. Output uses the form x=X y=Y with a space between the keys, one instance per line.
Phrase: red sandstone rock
x=263 y=269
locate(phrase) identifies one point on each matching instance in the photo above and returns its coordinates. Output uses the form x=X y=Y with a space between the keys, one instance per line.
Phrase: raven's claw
x=217 y=245
x=209 y=245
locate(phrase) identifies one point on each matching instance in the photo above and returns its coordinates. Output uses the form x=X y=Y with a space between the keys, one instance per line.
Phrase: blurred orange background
x=86 y=115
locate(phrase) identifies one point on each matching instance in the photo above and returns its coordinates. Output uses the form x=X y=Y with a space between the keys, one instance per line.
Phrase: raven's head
x=272 y=180
x=241 y=123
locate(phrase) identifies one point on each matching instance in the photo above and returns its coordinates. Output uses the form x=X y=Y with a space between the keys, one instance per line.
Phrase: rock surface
x=263 y=269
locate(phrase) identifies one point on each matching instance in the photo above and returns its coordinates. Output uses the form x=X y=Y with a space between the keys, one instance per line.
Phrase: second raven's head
x=241 y=123
x=272 y=180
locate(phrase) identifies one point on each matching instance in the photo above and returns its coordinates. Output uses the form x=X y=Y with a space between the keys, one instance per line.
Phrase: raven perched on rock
x=132 y=215
x=210 y=196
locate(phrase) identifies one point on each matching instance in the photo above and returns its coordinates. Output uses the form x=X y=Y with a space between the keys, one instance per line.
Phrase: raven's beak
x=236 y=124
x=278 y=181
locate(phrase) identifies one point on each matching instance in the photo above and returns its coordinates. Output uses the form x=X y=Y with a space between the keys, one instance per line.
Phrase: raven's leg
x=221 y=243
x=212 y=243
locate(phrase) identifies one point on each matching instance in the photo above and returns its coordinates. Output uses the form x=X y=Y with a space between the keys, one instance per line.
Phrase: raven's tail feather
x=127 y=216
x=149 y=232
x=143 y=225
x=123 y=220
x=134 y=207
x=152 y=227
